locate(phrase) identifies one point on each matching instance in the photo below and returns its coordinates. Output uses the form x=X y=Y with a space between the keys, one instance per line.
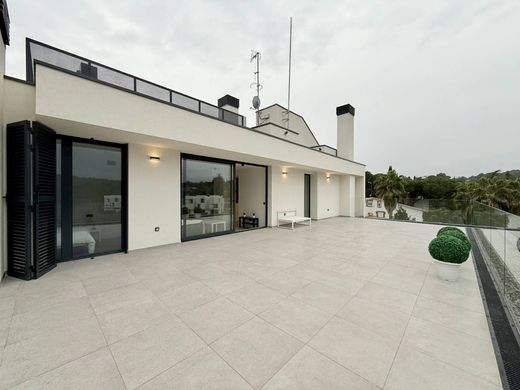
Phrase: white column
x=360 y=196
x=347 y=204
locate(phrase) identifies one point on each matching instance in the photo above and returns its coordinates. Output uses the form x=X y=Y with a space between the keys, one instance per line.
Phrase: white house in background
x=97 y=161
x=375 y=208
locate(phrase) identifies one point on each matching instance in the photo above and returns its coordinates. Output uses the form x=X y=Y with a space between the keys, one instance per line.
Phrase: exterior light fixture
x=155 y=158
x=328 y=177
x=284 y=173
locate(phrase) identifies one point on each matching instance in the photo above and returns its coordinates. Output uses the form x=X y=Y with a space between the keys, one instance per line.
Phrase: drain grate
x=505 y=342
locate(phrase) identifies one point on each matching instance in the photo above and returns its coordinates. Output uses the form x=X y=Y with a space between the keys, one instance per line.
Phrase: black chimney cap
x=228 y=100
x=346 y=109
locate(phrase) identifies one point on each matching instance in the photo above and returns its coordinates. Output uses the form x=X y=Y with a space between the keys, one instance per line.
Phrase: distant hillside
x=513 y=174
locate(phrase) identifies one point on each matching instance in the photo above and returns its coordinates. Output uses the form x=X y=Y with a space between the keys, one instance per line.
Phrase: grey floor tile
x=42 y=293
x=188 y=297
x=127 y=320
x=120 y=297
x=203 y=370
x=256 y=297
x=323 y=297
x=31 y=357
x=146 y=354
x=99 y=284
x=296 y=318
x=402 y=278
x=385 y=295
x=309 y=370
x=94 y=371
x=7 y=307
x=414 y=370
x=36 y=323
x=284 y=282
x=385 y=320
x=362 y=351
x=453 y=317
x=456 y=348
x=256 y=350
x=216 y=318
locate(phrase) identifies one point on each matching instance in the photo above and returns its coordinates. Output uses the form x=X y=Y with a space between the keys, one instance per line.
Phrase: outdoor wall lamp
x=328 y=177
x=284 y=173
x=155 y=158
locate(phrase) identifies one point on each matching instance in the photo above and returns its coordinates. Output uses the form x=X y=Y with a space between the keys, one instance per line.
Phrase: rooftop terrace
x=348 y=303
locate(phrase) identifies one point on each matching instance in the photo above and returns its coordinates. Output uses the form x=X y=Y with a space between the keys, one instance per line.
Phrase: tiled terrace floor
x=349 y=304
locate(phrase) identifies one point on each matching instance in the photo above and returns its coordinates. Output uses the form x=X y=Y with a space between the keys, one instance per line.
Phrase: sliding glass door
x=96 y=199
x=207 y=189
x=91 y=202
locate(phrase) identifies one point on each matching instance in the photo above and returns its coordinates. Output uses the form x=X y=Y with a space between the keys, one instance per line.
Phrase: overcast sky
x=435 y=84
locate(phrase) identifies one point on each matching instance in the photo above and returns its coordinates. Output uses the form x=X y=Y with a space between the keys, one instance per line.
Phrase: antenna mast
x=255 y=55
x=289 y=84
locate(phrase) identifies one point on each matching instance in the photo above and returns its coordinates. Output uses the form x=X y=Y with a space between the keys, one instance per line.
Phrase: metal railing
x=38 y=52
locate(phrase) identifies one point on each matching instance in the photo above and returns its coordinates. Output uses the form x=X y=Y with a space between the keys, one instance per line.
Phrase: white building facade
x=97 y=161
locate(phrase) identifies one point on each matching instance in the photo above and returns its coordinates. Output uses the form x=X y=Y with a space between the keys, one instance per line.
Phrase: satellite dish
x=256 y=102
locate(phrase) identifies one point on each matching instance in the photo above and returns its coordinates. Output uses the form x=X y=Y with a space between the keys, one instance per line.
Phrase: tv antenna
x=288 y=112
x=255 y=55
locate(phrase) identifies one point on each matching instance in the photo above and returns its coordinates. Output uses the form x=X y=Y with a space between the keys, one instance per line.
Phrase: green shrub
x=455 y=232
x=449 y=229
x=448 y=249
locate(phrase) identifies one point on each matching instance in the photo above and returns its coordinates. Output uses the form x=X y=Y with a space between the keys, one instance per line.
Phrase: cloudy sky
x=436 y=84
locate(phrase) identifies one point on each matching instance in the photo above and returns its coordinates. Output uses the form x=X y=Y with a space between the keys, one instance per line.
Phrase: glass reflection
x=97 y=200
x=206 y=198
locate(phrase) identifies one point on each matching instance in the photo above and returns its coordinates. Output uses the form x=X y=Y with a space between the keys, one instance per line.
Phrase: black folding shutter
x=19 y=231
x=44 y=144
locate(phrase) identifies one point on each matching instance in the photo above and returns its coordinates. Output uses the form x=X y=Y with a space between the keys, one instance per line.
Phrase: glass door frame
x=185 y=156
x=232 y=163
x=66 y=207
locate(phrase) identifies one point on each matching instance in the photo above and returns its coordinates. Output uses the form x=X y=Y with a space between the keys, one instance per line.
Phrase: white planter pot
x=447 y=271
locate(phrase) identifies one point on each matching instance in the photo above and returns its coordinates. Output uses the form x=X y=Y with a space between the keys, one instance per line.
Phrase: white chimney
x=345 y=146
x=229 y=103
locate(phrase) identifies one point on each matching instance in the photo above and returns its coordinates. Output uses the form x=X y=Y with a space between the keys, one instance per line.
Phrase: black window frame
x=233 y=163
x=67 y=201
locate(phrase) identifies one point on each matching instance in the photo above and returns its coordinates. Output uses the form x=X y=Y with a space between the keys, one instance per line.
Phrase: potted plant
x=185 y=212
x=449 y=249
x=198 y=211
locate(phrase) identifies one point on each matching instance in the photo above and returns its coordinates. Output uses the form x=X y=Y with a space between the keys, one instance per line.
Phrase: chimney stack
x=229 y=103
x=345 y=145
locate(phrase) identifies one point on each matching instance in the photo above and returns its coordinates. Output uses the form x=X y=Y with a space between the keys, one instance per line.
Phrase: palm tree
x=389 y=188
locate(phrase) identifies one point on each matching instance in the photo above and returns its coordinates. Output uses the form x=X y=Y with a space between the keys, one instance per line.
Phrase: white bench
x=286 y=217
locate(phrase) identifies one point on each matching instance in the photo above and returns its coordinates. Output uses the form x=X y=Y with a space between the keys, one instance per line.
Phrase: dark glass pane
x=96 y=194
x=207 y=198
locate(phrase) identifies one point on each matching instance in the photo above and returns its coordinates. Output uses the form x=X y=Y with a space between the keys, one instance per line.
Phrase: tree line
x=497 y=189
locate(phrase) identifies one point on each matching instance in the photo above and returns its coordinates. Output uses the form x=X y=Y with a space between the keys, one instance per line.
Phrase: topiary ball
x=447 y=229
x=448 y=249
x=457 y=233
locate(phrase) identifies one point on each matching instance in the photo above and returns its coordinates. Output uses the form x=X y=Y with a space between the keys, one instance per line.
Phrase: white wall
x=347 y=204
x=251 y=192
x=19 y=102
x=153 y=197
x=286 y=191
x=57 y=96
x=328 y=196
